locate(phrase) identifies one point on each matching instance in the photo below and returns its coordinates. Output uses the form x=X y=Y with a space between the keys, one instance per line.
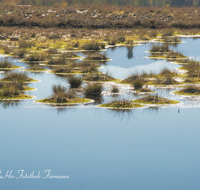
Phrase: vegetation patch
x=17 y=77
x=154 y=99
x=61 y=96
x=121 y=104
x=189 y=90
x=7 y=65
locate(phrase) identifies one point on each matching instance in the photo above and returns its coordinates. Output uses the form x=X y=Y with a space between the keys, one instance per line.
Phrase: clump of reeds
x=166 y=72
x=93 y=45
x=75 y=81
x=160 y=48
x=16 y=77
x=99 y=77
x=35 y=67
x=60 y=94
x=93 y=90
x=191 y=89
x=23 y=44
x=36 y=57
x=97 y=56
x=5 y=63
x=138 y=84
x=62 y=69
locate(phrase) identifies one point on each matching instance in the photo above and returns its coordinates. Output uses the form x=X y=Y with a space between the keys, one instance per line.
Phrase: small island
x=154 y=99
x=61 y=96
x=121 y=104
x=189 y=91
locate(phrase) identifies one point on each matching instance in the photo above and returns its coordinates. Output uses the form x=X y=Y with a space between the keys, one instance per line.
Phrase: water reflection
x=123 y=114
x=130 y=52
x=13 y=104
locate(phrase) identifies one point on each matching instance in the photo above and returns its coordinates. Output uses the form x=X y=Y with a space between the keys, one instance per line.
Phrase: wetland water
x=100 y=148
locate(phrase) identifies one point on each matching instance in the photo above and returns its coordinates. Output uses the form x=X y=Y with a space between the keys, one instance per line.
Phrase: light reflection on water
x=150 y=148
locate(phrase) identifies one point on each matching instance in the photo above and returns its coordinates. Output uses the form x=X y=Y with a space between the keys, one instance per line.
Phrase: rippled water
x=150 y=148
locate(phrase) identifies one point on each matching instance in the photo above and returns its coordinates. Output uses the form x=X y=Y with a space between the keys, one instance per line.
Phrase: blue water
x=99 y=148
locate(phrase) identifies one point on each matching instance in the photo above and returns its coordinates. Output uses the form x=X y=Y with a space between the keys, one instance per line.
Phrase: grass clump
x=93 y=90
x=17 y=77
x=189 y=90
x=97 y=56
x=99 y=77
x=160 y=48
x=12 y=91
x=93 y=45
x=75 y=81
x=62 y=69
x=36 y=57
x=133 y=77
x=5 y=64
x=166 y=72
x=121 y=104
x=155 y=99
x=35 y=67
x=60 y=96
x=138 y=84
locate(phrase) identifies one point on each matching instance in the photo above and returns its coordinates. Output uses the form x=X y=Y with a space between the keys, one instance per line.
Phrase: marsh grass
x=133 y=77
x=96 y=56
x=16 y=77
x=160 y=48
x=189 y=90
x=62 y=69
x=166 y=72
x=24 y=44
x=75 y=81
x=36 y=57
x=155 y=99
x=5 y=63
x=35 y=67
x=99 y=77
x=93 y=45
x=93 y=90
x=138 y=84
x=121 y=104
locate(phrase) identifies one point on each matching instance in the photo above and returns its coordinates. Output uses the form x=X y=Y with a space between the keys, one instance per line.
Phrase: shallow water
x=150 y=148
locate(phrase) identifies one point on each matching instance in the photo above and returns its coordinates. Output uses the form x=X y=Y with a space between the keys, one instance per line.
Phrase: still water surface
x=100 y=148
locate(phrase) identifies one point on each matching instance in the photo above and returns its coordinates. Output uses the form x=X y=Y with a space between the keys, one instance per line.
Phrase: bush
x=75 y=81
x=93 y=90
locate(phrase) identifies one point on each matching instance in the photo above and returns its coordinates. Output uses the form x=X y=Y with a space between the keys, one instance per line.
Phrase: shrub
x=93 y=90
x=75 y=81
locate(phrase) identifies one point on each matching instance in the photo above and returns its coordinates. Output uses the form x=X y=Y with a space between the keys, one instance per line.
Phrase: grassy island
x=121 y=104
x=189 y=91
x=154 y=99
x=61 y=96
x=17 y=77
